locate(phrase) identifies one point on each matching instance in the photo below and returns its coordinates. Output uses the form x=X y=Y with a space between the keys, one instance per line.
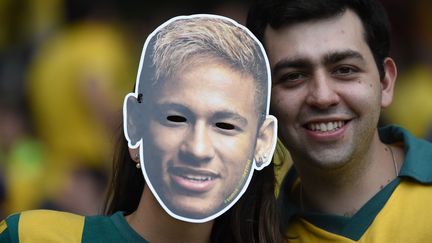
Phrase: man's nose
x=321 y=93
x=198 y=145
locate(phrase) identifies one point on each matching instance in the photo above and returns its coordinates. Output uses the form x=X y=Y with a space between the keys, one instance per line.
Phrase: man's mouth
x=325 y=126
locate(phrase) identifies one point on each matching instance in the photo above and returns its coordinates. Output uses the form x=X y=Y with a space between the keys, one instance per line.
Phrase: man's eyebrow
x=330 y=58
x=292 y=63
x=228 y=114
x=335 y=57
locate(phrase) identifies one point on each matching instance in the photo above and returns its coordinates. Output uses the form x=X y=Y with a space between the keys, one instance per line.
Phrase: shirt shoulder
x=113 y=228
x=42 y=226
x=9 y=229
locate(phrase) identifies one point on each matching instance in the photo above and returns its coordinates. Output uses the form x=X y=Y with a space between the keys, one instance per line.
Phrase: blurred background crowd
x=65 y=66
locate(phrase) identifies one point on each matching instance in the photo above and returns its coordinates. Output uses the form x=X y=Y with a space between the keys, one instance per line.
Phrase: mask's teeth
x=197 y=178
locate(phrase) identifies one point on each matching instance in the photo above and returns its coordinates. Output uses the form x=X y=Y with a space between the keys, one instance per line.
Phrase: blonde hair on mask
x=185 y=42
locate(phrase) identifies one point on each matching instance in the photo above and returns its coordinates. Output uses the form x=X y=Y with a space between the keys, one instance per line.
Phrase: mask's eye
x=225 y=126
x=176 y=118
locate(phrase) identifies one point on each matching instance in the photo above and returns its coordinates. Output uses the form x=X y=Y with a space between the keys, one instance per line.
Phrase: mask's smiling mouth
x=197 y=178
x=193 y=180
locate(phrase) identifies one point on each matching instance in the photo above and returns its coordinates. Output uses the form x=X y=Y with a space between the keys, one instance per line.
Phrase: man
x=199 y=115
x=332 y=76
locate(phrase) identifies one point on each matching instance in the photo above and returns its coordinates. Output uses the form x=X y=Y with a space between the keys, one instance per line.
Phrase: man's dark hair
x=279 y=13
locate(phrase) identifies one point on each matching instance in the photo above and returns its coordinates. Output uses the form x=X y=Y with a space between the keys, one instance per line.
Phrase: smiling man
x=198 y=121
x=332 y=76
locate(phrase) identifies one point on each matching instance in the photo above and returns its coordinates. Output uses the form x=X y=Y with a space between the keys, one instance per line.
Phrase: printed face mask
x=199 y=115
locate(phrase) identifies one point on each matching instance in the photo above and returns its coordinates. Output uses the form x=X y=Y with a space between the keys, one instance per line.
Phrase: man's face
x=326 y=90
x=203 y=129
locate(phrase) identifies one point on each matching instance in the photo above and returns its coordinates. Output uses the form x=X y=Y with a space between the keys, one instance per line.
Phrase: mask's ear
x=388 y=82
x=131 y=119
x=266 y=142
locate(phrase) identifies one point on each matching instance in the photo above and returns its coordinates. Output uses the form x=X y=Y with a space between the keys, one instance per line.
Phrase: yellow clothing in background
x=76 y=86
x=412 y=102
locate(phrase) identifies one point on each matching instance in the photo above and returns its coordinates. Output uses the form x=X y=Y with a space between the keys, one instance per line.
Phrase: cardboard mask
x=199 y=114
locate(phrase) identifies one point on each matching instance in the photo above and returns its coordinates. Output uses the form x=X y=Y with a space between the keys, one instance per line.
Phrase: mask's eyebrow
x=219 y=115
x=302 y=63
x=227 y=114
x=335 y=57
x=171 y=106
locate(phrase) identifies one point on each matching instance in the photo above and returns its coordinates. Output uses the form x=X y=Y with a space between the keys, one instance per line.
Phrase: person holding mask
x=195 y=129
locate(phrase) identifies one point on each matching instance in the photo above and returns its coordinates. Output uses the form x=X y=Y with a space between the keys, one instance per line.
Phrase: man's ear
x=266 y=142
x=388 y=82
x=131 y=120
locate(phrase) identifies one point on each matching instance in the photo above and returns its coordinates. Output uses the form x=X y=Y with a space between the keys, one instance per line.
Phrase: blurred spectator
x=21 y=162
x=23 y=25
x=76 y=85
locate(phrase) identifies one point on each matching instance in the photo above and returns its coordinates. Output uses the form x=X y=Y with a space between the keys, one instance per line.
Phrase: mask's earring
x=137 y=160
x=263 y=158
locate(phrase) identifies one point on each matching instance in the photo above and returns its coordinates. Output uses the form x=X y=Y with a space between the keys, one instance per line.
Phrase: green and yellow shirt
x=53 y=226
x=400 y=212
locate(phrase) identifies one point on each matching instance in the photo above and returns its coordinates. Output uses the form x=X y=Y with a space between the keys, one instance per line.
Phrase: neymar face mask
x=198 y=117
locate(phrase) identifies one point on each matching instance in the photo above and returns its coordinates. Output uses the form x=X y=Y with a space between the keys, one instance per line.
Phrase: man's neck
x=156 y=226
x=344 y=191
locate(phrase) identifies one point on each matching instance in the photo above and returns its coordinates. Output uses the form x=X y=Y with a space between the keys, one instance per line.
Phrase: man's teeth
x=197 y=178
x=325 y=126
